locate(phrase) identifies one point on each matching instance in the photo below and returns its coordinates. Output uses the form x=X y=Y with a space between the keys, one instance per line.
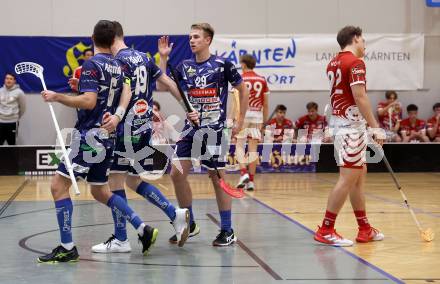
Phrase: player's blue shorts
x=189 y=146
x=133 y=154
x=91 y=160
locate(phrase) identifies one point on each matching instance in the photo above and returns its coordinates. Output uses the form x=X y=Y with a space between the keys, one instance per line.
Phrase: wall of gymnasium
x=76 y=18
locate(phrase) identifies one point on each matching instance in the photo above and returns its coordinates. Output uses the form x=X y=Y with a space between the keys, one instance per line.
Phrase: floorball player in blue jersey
x=205 y=78
x=133 y=152
x=102 y=81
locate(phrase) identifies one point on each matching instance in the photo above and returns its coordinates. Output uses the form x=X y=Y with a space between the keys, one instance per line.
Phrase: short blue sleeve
x=90 y=75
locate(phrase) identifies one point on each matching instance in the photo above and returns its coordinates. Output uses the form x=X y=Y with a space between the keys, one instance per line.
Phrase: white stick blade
x=29 y=67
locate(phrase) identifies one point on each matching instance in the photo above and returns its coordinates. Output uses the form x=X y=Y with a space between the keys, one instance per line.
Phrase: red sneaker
x=331 y=238
x=370 y=235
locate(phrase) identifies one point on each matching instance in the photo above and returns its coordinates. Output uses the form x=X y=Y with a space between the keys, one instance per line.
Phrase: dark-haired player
x=412 y=128
x=433 y=125
x=205 y=78
x=350 y=115
x=281 y=128
x=132 y=142
x=100 y=89
x=390 y=116
x=312 y=124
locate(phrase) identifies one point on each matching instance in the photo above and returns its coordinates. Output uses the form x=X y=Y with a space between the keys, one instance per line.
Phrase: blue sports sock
x=119 y=221
x=225 y=220
x=153 y=194
x=64 y=208
x=120 y=207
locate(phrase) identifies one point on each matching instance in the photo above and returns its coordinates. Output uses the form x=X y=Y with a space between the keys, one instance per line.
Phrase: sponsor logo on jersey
x=191 y=71
x=209 y=107
x=92 y=73
x=208 y=92
x=139 y=121
x=255 y=108
x=135 y=59
x=357 y=71
x=113 y=69
x=335 y=63
x=205 y=100
x=140 y=107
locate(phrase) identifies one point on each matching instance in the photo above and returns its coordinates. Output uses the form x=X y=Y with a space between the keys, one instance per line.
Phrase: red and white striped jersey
x=344 y=71
x=258 y=89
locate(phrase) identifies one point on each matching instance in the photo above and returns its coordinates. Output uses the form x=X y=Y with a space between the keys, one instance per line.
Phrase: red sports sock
x=361 y=218
x=243 y=171
x=329 y=220
x=251 y=177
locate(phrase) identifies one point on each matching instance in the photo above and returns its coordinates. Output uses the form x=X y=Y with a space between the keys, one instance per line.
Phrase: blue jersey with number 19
x=206 y=84
x=102 y=75
x=143 y=73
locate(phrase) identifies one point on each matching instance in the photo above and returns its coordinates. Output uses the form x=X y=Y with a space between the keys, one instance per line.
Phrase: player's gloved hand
x=193 y=117
x=378 y=134
x=73 y=83
x=164 y=46
x=237 y=127
x=49 y=96
x=109 y=122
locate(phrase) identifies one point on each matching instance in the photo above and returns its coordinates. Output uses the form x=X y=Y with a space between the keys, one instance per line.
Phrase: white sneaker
x=369 y=236
x=243 y=181
x=181 y=225
x=250 y=186
x=332 y=238
x=112 y=245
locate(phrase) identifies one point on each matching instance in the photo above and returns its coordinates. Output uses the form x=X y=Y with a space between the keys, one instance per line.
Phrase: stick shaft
x=405 y=199
x=63 y=146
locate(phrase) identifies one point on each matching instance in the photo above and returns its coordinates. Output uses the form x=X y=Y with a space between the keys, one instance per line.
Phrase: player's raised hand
x=49 y=96
x=164 y=46
x=193 y=117
x=109 y=122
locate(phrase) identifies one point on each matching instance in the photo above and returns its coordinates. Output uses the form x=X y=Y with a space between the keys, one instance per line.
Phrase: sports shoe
x=181 y=225
x=60 y=254
x=148 y=238
x=224 y=239
x=194 y=230
x=250 y=186
x=112 y=245
x=243 y=181
x=331 y=238
x=371 y=235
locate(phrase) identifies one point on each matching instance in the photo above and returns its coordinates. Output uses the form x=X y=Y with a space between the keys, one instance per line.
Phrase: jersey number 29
x=256 y=86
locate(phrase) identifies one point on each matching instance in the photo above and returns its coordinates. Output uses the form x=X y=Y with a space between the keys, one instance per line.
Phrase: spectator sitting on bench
x=433 y=125
x=413 y=129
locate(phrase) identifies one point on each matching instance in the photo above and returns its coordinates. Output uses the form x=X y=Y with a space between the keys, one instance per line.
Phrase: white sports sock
x=140 y=229
x=68 y=246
